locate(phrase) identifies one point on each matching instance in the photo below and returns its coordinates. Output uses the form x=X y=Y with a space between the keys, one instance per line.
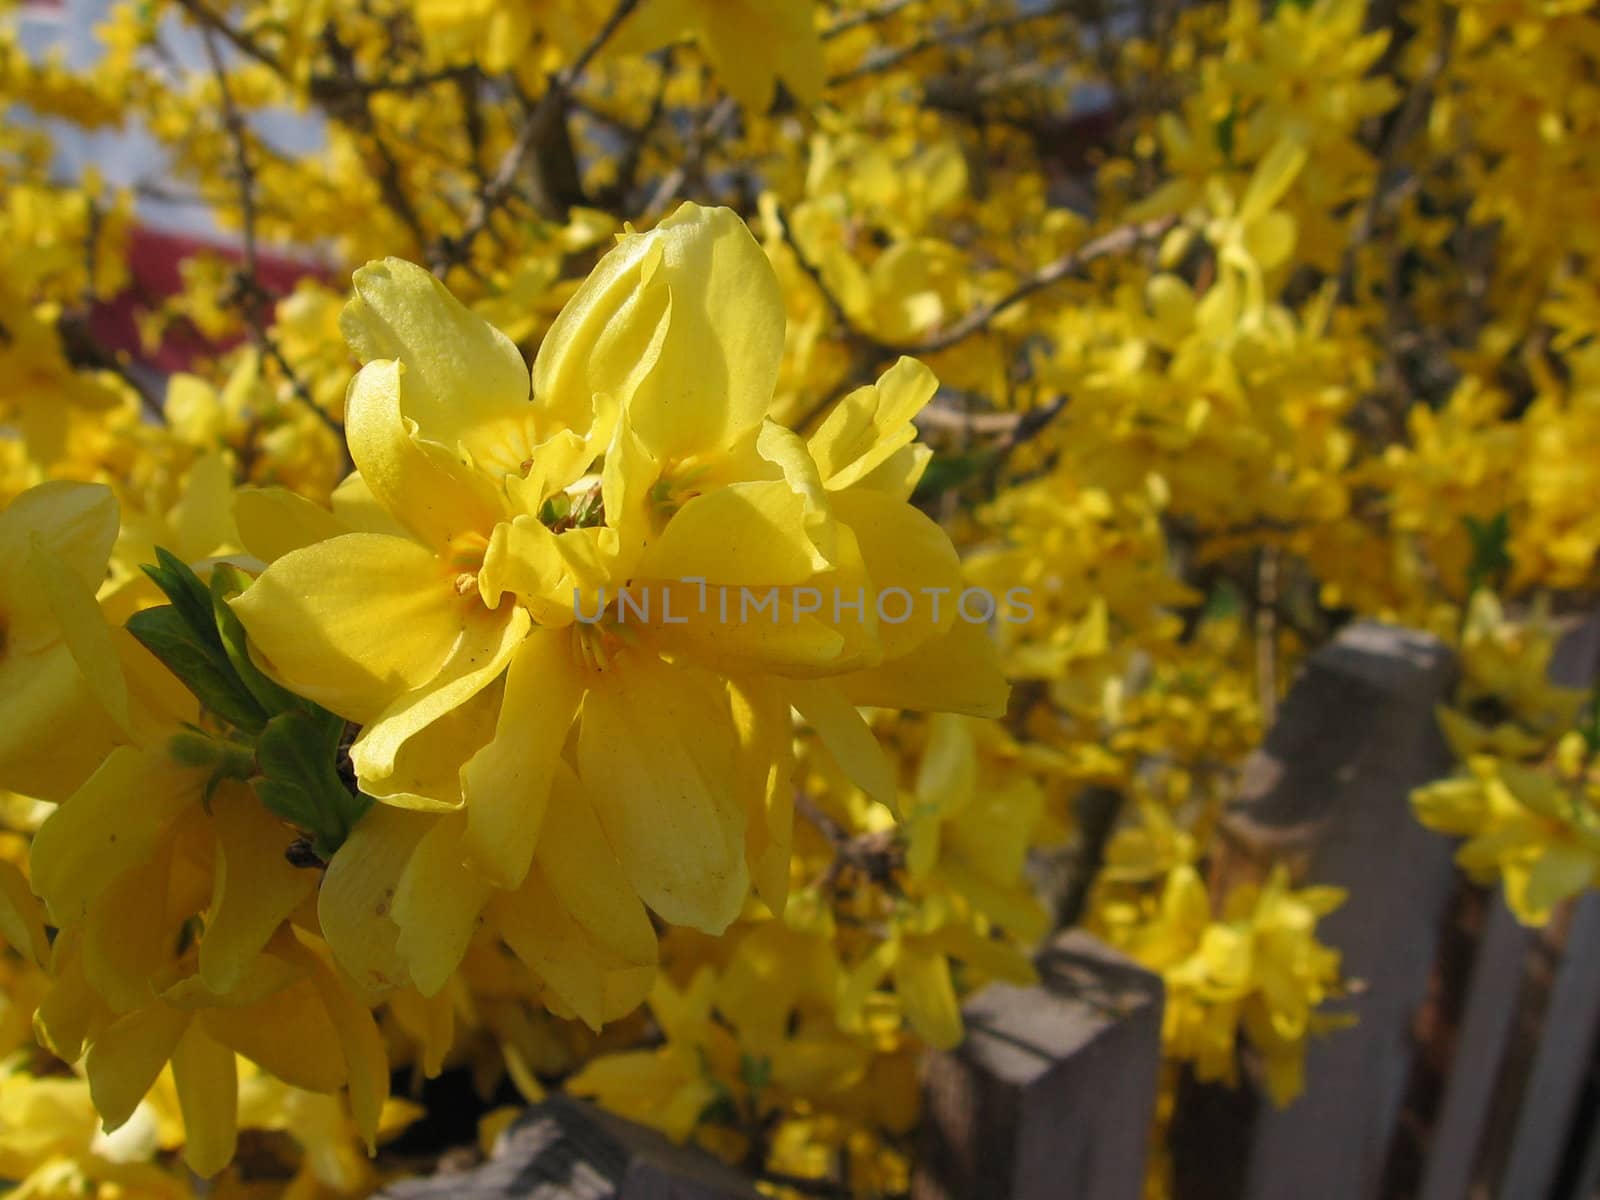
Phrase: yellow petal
x=78 y=521
x=766 y=765
x=1559 y=872
x=360 y=511
x=589 y=940
x=461 y=372
x=356 y=900
x=21 y=917
x=507 y=783
x=289 y=1034
x=745 y=533
x=127 y=937
x=83 y=629
x=437 y=905
x=487 y=642
x=53 y=732
x=647 y=745
x=208 y=1095
x=1272 y=178
x=957 y=672
x=202 y=520
x=421 y=484
x=427 y=770
x=1270 y=239
x=718 y=364
x=127 y=1056
x=273 y=521
x=365 y=1061
x=846 y=736
x=430 y=1020
x=740 y=629
x=355 y=622
x=254 y=886
x=750 y=41
x=607 y=337
x=903 y=549
x=872 y=424
x=109 y=824
x=922 y=981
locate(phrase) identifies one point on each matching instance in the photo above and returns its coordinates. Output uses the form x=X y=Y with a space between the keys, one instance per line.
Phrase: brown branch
x=813 y=272
x=252 y=297
x=868 y=17
x=1118 y=241
x=549 y=110
x=672 y=184
x=1266 y=633
x=237 y=38
x=83 y=351
x=320 y=87
x=869 y=348
x=357 y=113
x=244 y=170
x=876 y=856
x=1412 y=115
x=886 y=60
x=325 y=87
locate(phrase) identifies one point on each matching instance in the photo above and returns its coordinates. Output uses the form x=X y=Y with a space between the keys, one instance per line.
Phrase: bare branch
x=237 y=38
x=244 y=170
x=1118 y=241
x=1413 y=114
x=672 y=184
x=888 y=59
x=550 y=109
x=868 y=17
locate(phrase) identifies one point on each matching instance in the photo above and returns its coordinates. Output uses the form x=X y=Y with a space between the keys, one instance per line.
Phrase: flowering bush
x=650 y=608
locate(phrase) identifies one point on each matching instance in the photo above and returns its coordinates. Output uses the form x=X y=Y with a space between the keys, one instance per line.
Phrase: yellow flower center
x=596 y=644
x=465 y=558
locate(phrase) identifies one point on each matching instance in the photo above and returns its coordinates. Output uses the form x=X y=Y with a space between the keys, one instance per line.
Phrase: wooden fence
x=1469 y=1074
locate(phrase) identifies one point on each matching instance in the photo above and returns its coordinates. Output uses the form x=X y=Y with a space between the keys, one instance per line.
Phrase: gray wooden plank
x=569 y=1149
x=1051 y=1095
x=1491 y=1005
x=1565 y=1046
x=1587 y=1186
x=1331 y=787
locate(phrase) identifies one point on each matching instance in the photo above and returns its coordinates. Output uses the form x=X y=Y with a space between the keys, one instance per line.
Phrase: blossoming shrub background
x=334 y=762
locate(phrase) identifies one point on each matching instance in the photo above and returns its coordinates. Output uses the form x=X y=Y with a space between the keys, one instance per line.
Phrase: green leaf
x=756 y=1072
x=200 y=664
x=948 y=471
x=228 y=581
x=1491 y=557
x=1589 y=719
x=1224 y=130
x=298 y=755
x=188 y=595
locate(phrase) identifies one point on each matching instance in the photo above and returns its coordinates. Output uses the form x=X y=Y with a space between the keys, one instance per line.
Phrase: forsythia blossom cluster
x=675 y=540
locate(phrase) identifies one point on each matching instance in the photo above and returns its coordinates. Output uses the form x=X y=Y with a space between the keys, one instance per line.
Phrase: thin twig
x=876 y=856
x=1266 y=633
x=672 y=184
x=253 y=297
x=1117 y=241
x=870 y=16
x=813 y=272
x=1414 y=111
x=549 y=108
x=237 y=38
x=886 y=60
x=244 y=170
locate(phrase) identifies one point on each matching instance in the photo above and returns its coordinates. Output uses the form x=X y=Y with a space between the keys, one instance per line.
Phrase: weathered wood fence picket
x=1470 y=1073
